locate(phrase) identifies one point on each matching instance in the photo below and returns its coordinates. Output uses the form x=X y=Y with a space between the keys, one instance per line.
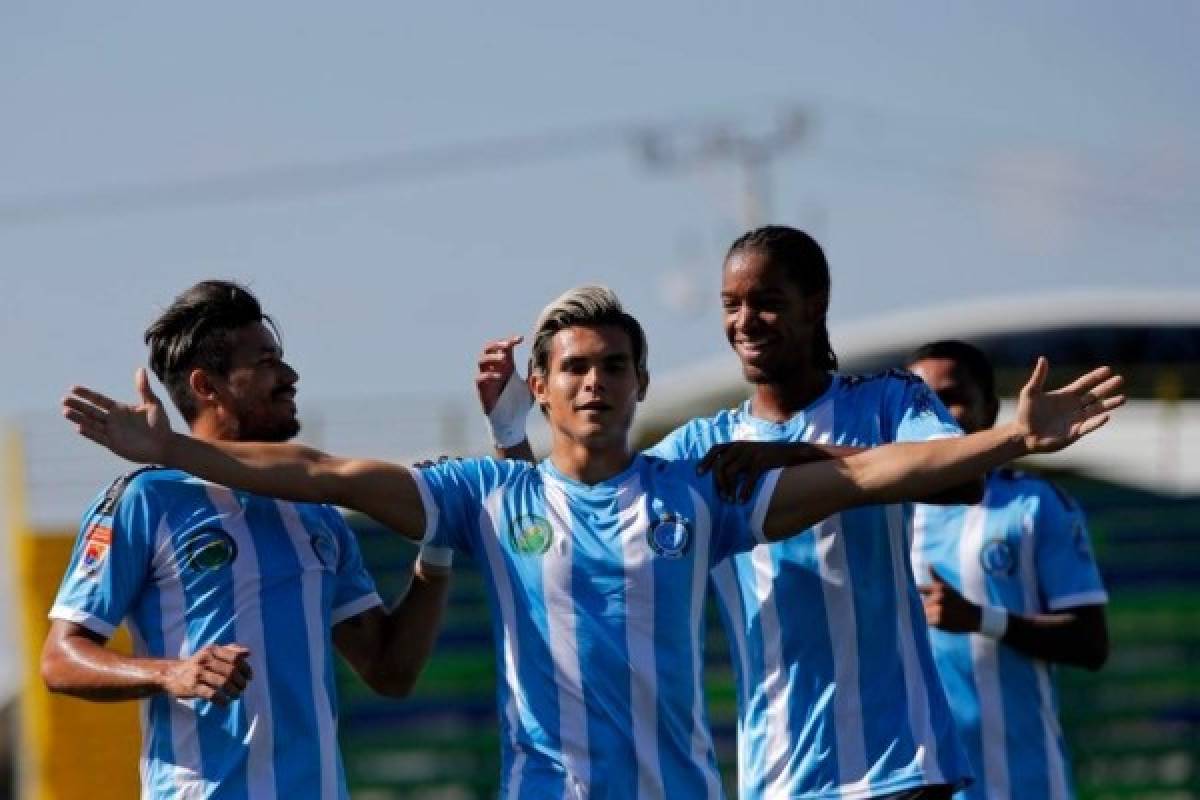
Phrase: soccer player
x=1011 y=588
x=235 y=601
x=837 y=693
x=597 y=558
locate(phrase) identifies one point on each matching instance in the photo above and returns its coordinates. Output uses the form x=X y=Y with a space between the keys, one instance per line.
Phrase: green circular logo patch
x=530 y=534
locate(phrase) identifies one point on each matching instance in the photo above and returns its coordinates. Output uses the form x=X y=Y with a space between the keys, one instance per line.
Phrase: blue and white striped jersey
x=837 y=693
x=1024 y=548
x=187 y=564
x=597 y=594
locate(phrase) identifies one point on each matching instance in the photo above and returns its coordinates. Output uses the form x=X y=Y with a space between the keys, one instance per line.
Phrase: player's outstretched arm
x=505 y=398
x=76 y=662
x=143 y=434
x=1045 y=422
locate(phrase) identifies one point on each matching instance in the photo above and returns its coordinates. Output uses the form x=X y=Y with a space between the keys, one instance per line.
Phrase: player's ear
x=201 y=384
x=643 y=384
x=537 y=386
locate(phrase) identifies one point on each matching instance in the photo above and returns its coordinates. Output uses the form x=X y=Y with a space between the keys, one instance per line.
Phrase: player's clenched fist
x=946 y=609
x=218 y=673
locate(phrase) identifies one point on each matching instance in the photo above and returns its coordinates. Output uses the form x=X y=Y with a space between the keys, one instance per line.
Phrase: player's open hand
x=137 y=432
x=737 y=466
x=1052 y=420
x=946 y=608
x=218 y=672
x=497 y=366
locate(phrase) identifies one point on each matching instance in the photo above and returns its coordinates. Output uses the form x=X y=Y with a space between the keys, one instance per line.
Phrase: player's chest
x=602 y=540
x=252 y=545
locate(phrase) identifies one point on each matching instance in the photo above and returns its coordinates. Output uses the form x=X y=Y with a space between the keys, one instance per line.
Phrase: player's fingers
x=1037 y=379
x=97 y=435
x=141 y=382
x=95 y=398
x=1089 y=425
x=1108 y=388
x=753 y=470
x=1088 y=380
x=83 y=408
x=84 y=415
x=711 y=457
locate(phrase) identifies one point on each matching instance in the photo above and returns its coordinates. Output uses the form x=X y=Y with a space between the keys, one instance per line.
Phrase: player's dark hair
x=804 y=263
x=195 y=332
x=590 y=306
x=968 y=357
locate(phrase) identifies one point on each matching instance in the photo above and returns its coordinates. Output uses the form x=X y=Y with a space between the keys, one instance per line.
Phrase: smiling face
x=769 y=322
x=591 y=385
x=258 y=393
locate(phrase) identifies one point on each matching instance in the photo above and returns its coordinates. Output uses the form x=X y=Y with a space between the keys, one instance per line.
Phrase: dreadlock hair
x=195 y=332
x=804 y=264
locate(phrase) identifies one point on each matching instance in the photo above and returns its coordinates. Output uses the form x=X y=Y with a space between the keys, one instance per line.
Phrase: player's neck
x=212 y=428
x=589 y=465
x=777 y=402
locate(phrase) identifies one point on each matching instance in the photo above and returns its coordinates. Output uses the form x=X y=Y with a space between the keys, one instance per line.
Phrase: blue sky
x=956 y=150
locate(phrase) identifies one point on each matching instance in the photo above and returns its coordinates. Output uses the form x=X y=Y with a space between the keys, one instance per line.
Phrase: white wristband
x=507 y=418
x=436 y=556
x=993 y=622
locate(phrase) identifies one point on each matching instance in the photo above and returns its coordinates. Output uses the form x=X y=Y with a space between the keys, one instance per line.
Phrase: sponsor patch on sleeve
x=97 y=542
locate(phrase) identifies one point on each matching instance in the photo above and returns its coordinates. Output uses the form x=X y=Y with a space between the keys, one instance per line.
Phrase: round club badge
x=530 y=534
x=208 y=550
x=997 y=557
x=325 y=548
x=669 y=536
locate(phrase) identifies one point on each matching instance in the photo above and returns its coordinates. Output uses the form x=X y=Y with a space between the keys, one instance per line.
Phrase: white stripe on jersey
x=914 y=681
x=701 y=739
x=310 y=583
x=187 y=769
x=248 y=631
x=726 y=584
x=516 y=705
x=842 y=622
x=633 y=525
x=564 y=645
x=774 y=675
x=1055 y=769
x=985 y=660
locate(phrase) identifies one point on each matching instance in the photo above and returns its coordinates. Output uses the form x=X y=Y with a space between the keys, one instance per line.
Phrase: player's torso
x=837 y=691
x=604 y=589
x=1004 y=702
x=224 y=560
x=229 y=567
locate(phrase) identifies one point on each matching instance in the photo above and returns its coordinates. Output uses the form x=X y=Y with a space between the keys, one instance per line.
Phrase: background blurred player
x=1012 y=589
x=598 y=557
x=230 y=597
x=836 y=688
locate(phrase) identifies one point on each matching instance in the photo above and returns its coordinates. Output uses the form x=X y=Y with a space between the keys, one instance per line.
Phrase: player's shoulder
x=878 y=380
x=153 y=482
x=1028 y=484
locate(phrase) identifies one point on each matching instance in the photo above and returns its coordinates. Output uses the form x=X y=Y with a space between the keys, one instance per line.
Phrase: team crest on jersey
x=325 y=548
x=97 y=542
x=670 y=536
x=208 y=550
x=997 y=558
x=530 y=534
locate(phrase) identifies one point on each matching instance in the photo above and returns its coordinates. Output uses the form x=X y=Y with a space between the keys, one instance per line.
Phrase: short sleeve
x=354 y=589
x=1066 y=567
x=738 y=527
x=453 y=493
x=916 y=414
x=110 y=562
